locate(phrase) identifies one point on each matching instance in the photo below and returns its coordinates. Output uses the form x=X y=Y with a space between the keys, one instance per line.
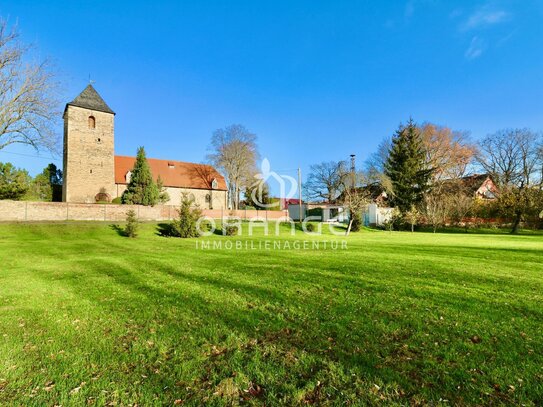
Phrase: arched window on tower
x=92 y=122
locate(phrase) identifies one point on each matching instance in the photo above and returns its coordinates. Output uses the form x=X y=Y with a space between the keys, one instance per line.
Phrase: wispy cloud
x=484 y=17
x=409 y=9
x=476 y=48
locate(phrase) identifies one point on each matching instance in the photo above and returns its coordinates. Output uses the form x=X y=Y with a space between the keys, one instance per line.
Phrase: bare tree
x=512 y=158
x=355 y=196
x=374 y=166
x=325 y=180
x=28 y=95
x=449 y=153
x=540 y=164
x=234 y=153
x=435 y=208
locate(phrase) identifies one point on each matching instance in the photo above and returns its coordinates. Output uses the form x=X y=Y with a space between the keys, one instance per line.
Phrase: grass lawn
x=90 y=317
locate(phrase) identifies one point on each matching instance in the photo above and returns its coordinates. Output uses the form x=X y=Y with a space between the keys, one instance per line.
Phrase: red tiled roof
x=173 y=173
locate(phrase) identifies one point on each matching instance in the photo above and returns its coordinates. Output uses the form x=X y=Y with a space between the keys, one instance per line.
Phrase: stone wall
x=23 y=211
x=219 y=198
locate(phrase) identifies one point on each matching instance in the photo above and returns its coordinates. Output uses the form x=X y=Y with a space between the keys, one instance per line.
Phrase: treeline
x=426 y=172
x=17 y=184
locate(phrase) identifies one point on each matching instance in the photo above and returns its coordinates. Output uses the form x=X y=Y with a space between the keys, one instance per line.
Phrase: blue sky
x=315 y=80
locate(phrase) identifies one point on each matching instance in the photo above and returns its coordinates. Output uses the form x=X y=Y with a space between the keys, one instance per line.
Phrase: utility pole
x=353 y=170
x=353 y=191
x=300 y=193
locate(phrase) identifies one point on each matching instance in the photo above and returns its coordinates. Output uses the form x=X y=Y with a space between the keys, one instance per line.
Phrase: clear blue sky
x=315 y=80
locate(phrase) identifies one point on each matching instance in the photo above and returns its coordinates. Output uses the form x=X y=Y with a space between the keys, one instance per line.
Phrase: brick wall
x=17 y=211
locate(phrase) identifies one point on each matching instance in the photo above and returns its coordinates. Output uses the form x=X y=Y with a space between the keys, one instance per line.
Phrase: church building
x=92 y=171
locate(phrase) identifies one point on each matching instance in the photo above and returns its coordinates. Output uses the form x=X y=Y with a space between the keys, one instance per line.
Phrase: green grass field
x=91 y=317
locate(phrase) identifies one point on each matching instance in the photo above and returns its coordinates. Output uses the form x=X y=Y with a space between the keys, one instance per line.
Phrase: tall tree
x=513 y=160
x=449 y=153
x=257 y=195
x=142 y=189
x=28 y=95
x=47 y=186
x=233 y=151
x=14 y=182
x=325 y=180
x=355 y=196
x=374 y=166
x=163 y=195
x=406 y=167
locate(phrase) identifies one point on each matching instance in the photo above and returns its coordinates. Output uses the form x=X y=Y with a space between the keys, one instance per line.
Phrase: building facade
x=93 y=173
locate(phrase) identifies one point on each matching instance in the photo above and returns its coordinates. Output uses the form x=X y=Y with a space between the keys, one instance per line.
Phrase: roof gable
x=90 y=99
x=175 y=174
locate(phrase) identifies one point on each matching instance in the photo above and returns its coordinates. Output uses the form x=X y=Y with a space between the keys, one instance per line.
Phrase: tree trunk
x=412 y=227
x=516 y=225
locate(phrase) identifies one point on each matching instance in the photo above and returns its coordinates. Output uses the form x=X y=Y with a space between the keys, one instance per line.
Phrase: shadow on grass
x=225 y=296
x=120 y=231
x=478 y=231
x=165 y=230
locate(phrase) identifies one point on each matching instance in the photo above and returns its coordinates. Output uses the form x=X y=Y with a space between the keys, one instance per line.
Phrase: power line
x=29 y=155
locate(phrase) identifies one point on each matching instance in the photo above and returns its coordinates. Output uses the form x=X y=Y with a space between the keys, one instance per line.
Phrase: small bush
x=131 y=228
x=356 y=217
x=117 y=200
x=310 y=227
x=230 y=226
x=206 y=226
x=188 y=214
x=230 y=230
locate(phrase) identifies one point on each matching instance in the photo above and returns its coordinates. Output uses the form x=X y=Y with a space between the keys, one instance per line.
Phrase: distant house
x=285 y=202
x=481 y=186
x=477 y=185
x=374 y=193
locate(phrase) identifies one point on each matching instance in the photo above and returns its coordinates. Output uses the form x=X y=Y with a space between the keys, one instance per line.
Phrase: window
x=214 y=184
x=92 y=122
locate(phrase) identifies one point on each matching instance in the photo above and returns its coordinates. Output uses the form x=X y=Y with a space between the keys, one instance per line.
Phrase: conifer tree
x=163 y=195
x=407 y=168
x=131 y=228
x=188 y=214
x=14 y=182
x=142 y=189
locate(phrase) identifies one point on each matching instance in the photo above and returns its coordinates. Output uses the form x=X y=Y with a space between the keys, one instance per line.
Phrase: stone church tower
x=89 y=162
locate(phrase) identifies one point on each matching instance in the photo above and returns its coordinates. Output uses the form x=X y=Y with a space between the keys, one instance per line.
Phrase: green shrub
x=131 y=228
x=230 y=226
x=356 y=225
x=117 y=200
x=188 y=214
x=310 y=227
x=230 y=230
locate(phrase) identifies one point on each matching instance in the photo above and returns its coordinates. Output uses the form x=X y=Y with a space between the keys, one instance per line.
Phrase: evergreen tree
x=142 y=189
x=47 y=186
x=14 y=182
x=188 y=214
x=406 y=167
x=163 y=195
x=258 y=195
x=131 y=228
